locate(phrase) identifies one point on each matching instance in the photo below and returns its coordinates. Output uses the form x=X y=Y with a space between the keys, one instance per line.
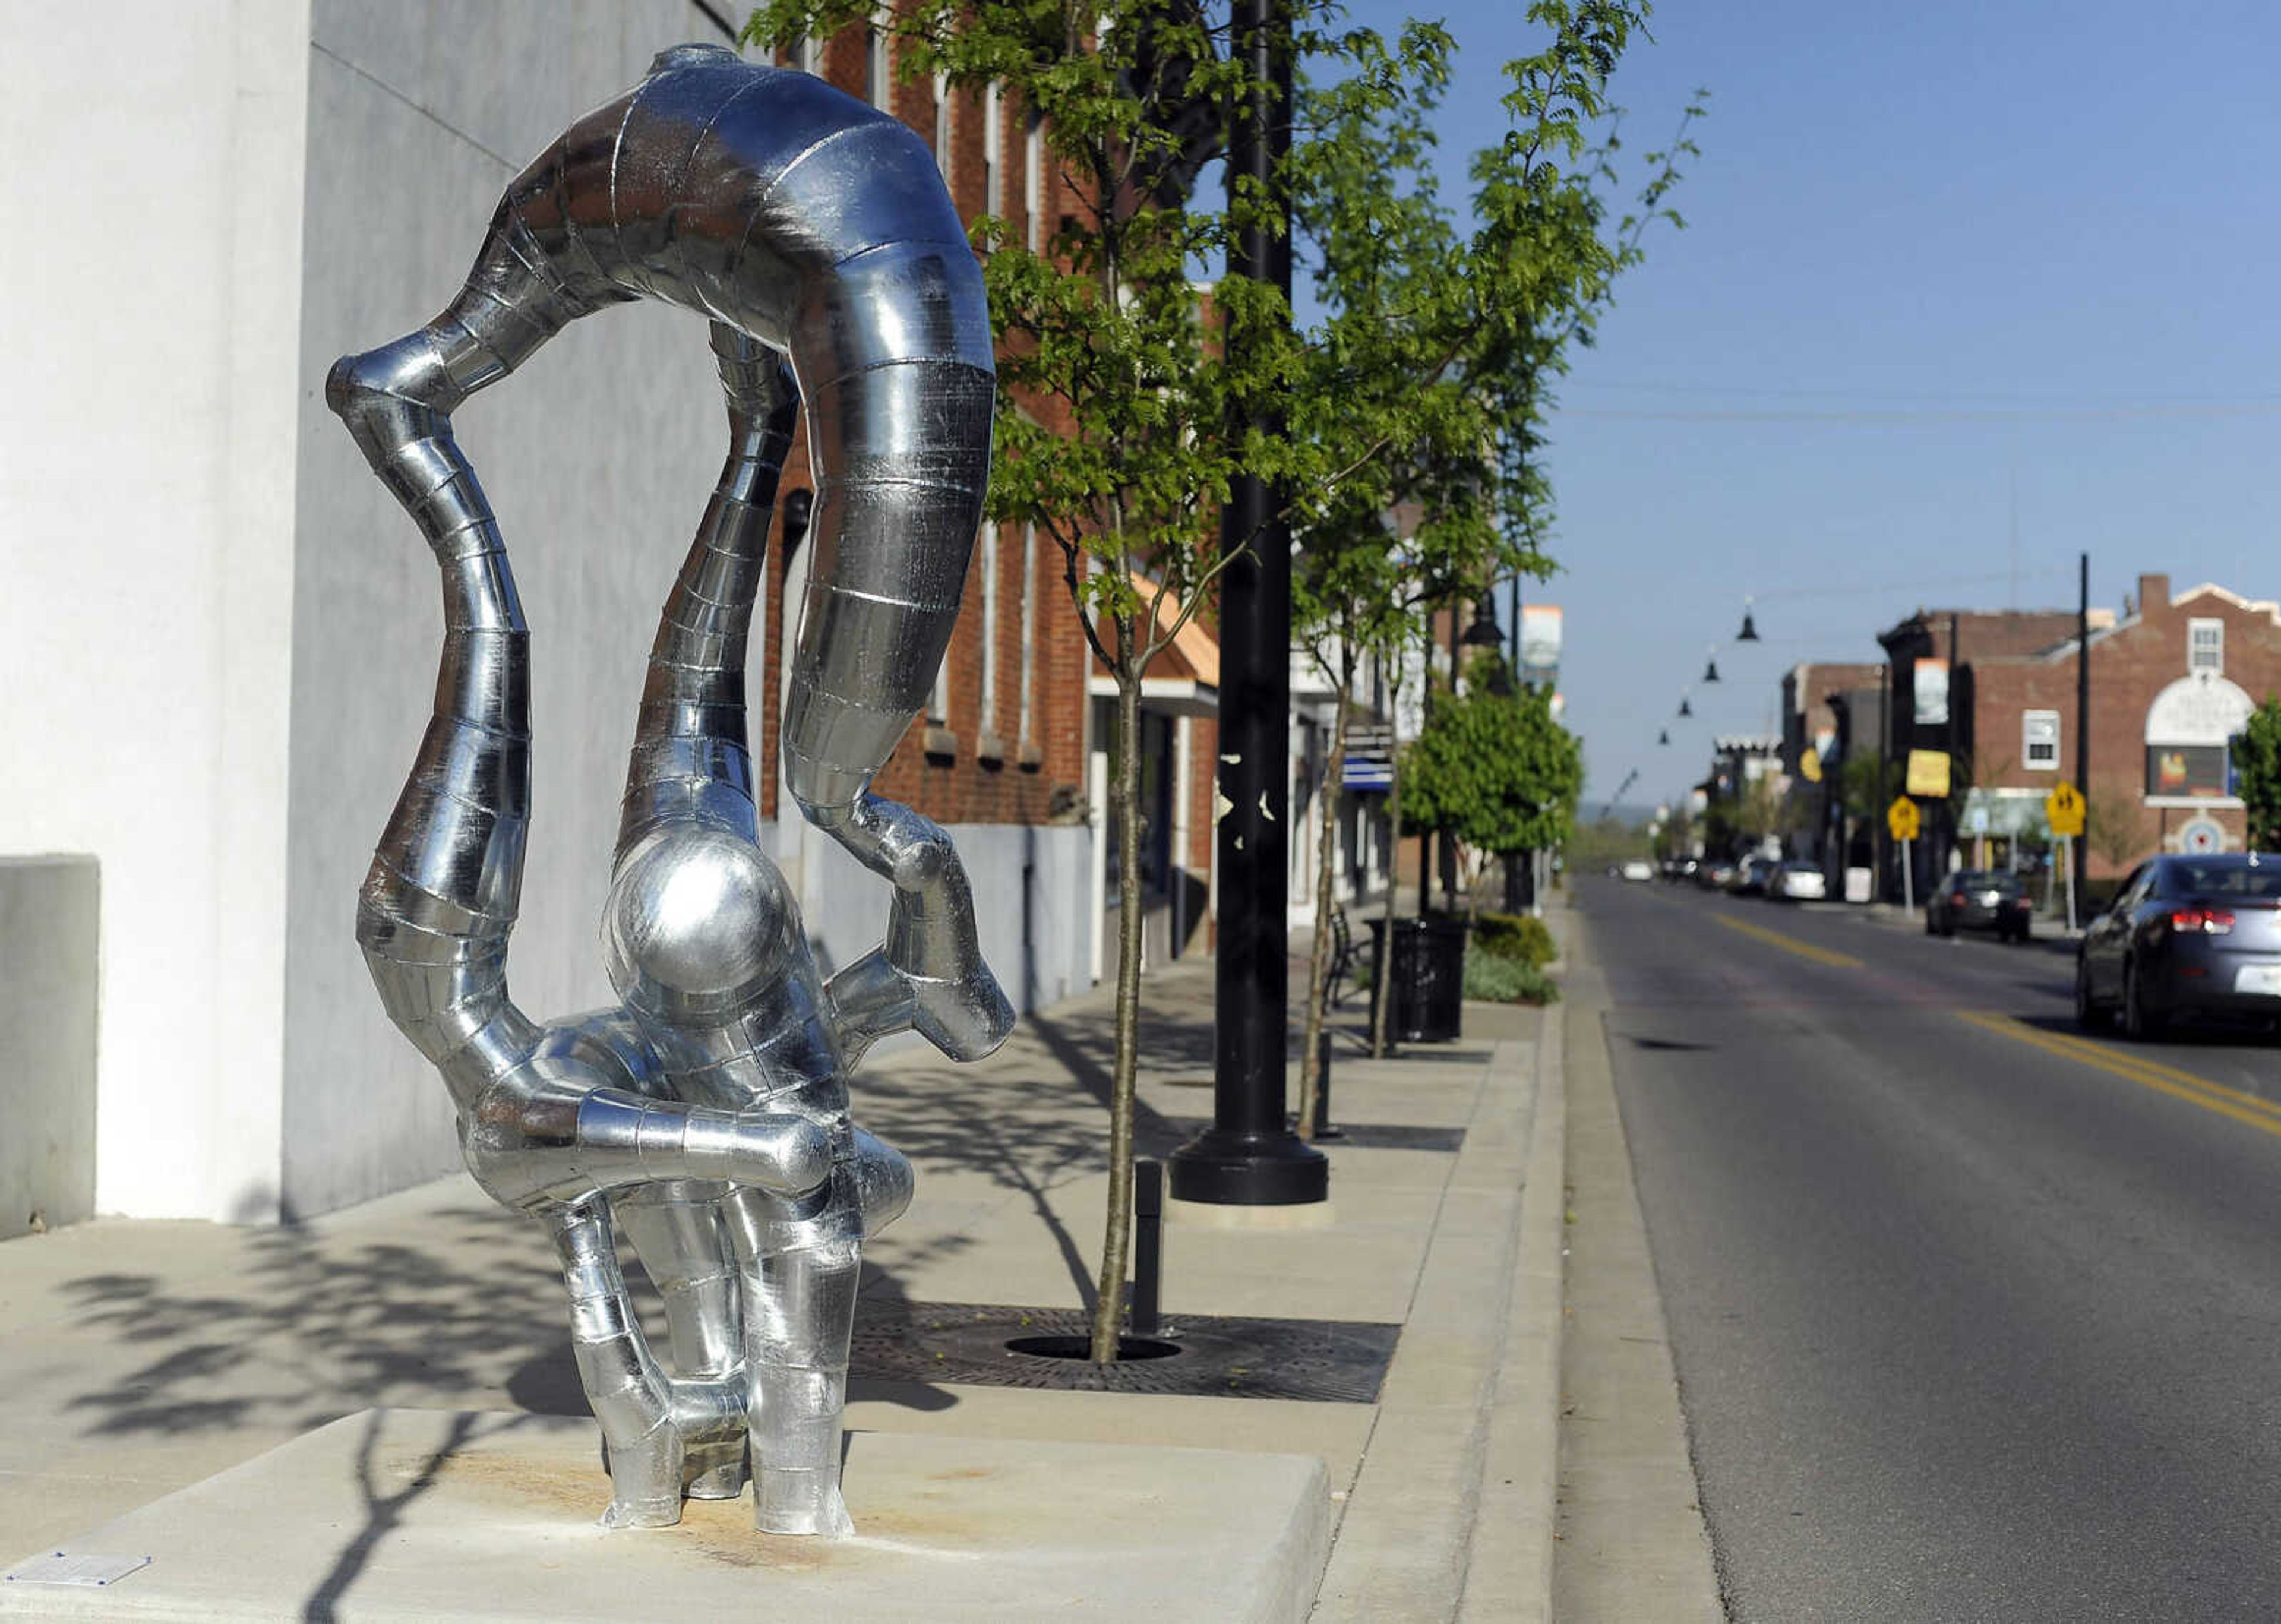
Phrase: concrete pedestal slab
x=459 y=1517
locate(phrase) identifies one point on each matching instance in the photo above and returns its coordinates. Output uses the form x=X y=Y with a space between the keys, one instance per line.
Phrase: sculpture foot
x=642 y=1513
x=776 y=1511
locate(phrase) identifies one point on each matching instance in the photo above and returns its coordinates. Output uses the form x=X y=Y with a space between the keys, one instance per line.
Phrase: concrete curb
x=1453 y=1512
x=1509 y=1575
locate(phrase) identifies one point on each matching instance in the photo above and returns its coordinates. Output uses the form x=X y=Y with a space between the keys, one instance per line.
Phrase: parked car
x=1639 y=868
x=2185 y=936
x=1796 y=882
x=1715 y=874
x=1980 y=899
x=1751 y=876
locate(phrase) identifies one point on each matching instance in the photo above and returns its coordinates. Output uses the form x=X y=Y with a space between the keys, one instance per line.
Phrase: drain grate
x=1334 y=1360
x=1361 y=1136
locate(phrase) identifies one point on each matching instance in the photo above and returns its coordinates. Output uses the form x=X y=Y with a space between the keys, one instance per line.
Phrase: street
x=1974 y=1316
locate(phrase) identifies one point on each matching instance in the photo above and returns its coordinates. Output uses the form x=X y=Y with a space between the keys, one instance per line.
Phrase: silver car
x=1796 y=882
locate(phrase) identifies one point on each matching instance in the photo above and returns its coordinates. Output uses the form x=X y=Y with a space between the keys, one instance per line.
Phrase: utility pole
x=2082 y=713
x=1249 y=1157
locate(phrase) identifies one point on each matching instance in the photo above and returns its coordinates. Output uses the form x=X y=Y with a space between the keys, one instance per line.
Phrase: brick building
x=1014 y=747
x=1829 y=712
x=2172 y=680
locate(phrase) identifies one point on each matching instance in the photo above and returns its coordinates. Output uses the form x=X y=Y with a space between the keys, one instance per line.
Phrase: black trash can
x=1425 y=978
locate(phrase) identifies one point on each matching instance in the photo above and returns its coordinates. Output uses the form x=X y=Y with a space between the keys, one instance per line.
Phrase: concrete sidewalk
x=138 y=1358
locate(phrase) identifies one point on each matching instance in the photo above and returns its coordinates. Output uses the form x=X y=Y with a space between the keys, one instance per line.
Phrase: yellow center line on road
x=1790 y=944
x=2241 y=1106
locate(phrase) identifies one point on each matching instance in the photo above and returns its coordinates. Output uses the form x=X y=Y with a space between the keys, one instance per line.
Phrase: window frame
x=2195 y=628
x=2028 y=743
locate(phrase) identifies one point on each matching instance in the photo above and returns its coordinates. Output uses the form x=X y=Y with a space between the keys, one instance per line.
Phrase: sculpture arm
x=544 y=1135
x=931 y=953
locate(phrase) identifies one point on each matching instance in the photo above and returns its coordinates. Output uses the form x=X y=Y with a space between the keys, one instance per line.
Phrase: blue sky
x=1930 y=263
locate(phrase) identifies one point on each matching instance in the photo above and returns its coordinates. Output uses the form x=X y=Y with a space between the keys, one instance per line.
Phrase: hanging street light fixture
x=1664 y=738
x=1711 y=665
x=1685 y=710
x=1483 y=632
x=1750 y=632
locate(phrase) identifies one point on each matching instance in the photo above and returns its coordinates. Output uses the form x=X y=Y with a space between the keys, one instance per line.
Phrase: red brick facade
x=2141 y=805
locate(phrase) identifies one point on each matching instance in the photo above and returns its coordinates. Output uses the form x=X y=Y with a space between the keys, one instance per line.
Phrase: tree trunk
x=1124 y=807
x=1318 y=955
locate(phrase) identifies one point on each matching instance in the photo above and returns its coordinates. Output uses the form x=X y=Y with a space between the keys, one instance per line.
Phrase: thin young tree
x=1423 y=383
x=1117 y=375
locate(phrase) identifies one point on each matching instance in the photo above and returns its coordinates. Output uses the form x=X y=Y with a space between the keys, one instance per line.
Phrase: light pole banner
x=1932 y=693
x=1540 y=641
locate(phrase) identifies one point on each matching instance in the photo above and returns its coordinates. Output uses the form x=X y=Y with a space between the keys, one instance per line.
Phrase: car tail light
x=2202 y=921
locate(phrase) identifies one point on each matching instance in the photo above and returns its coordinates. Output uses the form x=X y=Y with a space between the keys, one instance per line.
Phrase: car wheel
x=2139 y=1023
x=2088 y=1015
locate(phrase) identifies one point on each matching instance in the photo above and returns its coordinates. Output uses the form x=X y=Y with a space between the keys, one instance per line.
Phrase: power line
x=2121 y=414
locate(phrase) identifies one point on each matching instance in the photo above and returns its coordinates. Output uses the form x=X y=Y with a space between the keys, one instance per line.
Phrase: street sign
x=1928 y=774
x=2063 y=809
x=1903 y=819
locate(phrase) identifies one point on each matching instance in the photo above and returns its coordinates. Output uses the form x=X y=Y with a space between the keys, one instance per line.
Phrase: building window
x=2206 y=645
x=993 y=152
x=942 y=124
x=877 y=60
x=2039 y=741
x=1033 y=184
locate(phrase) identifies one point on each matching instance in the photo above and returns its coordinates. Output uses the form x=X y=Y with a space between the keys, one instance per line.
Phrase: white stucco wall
x=148 y=315
x=598 y=456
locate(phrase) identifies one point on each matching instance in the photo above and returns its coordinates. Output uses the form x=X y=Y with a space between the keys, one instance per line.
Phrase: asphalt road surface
x=1974 y=1316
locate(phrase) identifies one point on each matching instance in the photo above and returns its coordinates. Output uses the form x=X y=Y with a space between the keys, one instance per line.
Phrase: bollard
x=1324 y=1127
x=1147 y=1243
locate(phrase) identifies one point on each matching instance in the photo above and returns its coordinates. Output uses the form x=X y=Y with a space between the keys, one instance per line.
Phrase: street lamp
x=1685 y=710
x=1711 y=665
x=1750 y=632
x=1664 y=738
x=1483 y=632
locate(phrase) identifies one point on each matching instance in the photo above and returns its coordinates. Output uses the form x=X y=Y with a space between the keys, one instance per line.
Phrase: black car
x=2185 y=936
x=1980 y=899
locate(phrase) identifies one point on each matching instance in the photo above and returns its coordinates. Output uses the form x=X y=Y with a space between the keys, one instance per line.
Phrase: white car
x=1796 y=882
x=1639 y=868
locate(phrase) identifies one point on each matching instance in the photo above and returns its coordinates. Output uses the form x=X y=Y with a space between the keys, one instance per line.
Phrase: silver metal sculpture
x=706 y=1114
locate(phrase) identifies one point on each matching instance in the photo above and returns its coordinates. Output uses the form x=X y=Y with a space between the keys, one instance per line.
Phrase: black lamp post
x=1249 y=1156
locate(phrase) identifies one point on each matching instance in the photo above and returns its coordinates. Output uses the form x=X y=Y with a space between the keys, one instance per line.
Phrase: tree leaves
x=1495 y=772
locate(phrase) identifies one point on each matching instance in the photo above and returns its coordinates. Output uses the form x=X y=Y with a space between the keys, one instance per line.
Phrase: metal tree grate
x=1334 y=1360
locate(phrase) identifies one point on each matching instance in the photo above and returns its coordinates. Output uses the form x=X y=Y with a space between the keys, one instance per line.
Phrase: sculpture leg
x=801 y=1262
x=628 y=1392
x=691 y=760
x=676 y=1227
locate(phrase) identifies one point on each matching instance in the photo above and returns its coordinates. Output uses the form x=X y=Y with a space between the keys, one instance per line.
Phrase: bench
x=1343 y=955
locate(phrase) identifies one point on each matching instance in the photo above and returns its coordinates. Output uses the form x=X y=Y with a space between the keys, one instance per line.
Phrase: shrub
x=1521 y=937
x=1507 y=981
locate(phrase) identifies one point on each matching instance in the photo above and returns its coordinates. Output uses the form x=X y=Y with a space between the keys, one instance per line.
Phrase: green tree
x=1117 y=383
x=1422 y=385
x=2257 y=759
x=1494 y=772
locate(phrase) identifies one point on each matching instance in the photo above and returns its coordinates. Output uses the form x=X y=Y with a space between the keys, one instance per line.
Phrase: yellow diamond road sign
x=1902 y=818
x=2063 y=809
